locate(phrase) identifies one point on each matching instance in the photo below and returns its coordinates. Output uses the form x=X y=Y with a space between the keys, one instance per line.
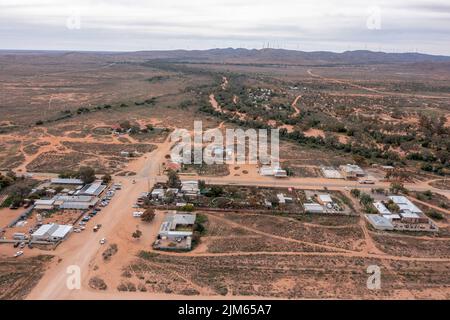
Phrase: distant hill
x=251 y=56
x=281 y=56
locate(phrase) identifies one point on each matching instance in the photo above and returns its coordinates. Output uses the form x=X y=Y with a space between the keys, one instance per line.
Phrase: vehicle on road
x=18 y=254
x=103 y=241
x=367 y=181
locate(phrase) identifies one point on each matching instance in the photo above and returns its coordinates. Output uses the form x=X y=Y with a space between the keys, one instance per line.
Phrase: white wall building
x=52 y=232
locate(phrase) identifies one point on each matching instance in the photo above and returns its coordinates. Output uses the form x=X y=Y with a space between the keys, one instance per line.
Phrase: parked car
x=97 y=227
x=22 y=245
x=137 y=214
x=103 y=241
x=18 y=254
x=76 y=230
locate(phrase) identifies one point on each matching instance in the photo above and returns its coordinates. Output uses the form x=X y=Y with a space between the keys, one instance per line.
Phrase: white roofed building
x=352 y=171
x=68 y=181
x=324 y=198
x=381 y=208
x=408 y=210
x=92 y=189
x=313 y=208
x=52 y=232
x=379 y=222
x=44 y=204
x=176 y=225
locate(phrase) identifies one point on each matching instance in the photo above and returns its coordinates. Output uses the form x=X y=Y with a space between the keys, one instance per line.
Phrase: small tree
x=216 y=191
x=148 y=215
x=365 y=199
x=174 y=180
x=137 y=234
x=397 y=187
x=87 y=174
x=106 y=178
x=201 y=184
x=355 y=192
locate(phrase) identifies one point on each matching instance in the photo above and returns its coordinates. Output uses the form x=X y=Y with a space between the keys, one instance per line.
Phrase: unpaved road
x=309 y=183
x=81 y=249
x=294 y=105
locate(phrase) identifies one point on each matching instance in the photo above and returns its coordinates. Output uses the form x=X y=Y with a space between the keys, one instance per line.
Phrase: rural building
x=279 y=173
x=266 y=171
x=92 y=189
x=176 y=225
x=381 y=208
x=272 y=171
x=351 y=171
x=331 y=173
x=176 y=232
x=409 y=212
x=68 y=181
x=324 y=199
x=158 y=194
x=313 y=208
x=190 y=188
x=52 y=232
x=44 y=204
x=75 y=202
x=379 y=222
x=282 y=199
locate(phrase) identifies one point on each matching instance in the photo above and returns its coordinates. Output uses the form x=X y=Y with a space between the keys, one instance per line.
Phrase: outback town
x=100 y=201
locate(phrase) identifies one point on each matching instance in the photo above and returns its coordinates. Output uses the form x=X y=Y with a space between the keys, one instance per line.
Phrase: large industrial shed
x=52 y=232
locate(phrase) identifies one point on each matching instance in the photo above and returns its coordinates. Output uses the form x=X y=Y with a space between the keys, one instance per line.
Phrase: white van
x=137 y=214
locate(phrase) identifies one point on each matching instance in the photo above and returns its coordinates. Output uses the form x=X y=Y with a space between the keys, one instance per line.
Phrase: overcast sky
x=121 y=25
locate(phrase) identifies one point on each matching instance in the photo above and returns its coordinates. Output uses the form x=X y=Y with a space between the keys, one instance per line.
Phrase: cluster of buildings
x=399 y=213
x=261 y=95
x=51 y=232
x=83 y=197
x=189 y=190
